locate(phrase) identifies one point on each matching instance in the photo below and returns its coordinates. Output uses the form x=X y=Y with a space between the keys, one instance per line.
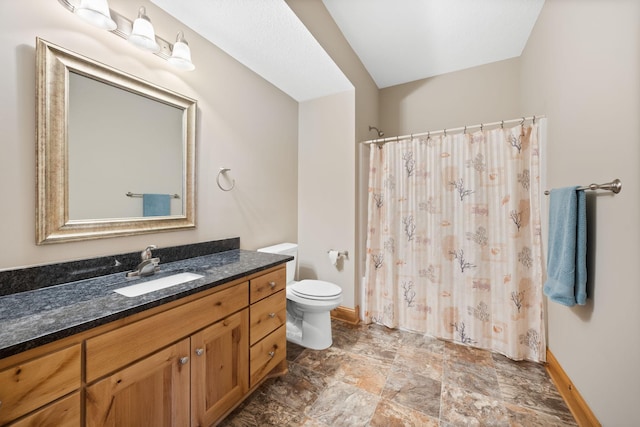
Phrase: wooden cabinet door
x=153 y=392
x=219 y=372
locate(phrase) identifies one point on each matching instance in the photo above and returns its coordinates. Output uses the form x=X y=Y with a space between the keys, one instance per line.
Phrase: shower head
x=380 y=133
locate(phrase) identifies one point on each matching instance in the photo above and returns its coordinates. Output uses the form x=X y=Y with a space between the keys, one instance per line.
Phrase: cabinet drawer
x=268 y=284
x=30 y=385
x=112 y=350
x=267 y=315
x=266 y=354
x=64 y=413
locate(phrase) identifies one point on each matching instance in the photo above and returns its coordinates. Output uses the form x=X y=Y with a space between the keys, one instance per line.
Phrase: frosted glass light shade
x=143 y=35
x=181 y=54
x=96 y=12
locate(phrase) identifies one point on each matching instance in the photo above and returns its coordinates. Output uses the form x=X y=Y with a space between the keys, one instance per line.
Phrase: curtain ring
x=534 y=120
x=445 y=133
x=502 y=124
x=522 y=122
x=465 y=129
x=481 y=127
x=233 y=182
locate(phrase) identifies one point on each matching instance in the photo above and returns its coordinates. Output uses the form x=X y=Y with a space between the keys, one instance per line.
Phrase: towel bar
x=615 y=186
x=130 y=194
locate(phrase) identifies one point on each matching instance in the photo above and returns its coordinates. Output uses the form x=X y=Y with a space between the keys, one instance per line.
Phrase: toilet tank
x=290 y=249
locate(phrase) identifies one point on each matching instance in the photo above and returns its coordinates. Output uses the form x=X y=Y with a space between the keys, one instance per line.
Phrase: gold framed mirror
x=115 y=154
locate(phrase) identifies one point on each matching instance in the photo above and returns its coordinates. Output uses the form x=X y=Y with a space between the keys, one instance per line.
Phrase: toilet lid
x=316 y=289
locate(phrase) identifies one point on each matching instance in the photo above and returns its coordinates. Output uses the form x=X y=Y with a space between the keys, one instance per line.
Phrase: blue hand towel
x=567 y=259
x=156 y=205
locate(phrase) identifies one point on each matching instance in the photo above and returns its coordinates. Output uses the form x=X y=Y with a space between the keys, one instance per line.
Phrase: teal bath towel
x=567 y=259
x=156 y=205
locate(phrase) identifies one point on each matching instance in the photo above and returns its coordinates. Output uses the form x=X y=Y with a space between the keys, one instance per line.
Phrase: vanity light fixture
x=96 y=12
x=140 y=32
x=181 y=54
x=142 y=35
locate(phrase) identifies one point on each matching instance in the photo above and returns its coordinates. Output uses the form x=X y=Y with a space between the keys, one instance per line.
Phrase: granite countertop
x=36 y=317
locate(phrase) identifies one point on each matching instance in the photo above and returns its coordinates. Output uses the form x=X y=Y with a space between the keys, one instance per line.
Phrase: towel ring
x=233 y=181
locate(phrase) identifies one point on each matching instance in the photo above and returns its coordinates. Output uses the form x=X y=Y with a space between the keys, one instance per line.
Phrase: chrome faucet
x=146 y=254
x=149 y=264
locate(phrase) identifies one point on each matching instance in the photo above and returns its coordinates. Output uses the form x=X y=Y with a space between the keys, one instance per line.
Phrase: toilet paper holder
x=341 y=254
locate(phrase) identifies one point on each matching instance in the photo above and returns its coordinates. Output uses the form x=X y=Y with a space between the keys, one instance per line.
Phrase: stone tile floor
x=375 y=376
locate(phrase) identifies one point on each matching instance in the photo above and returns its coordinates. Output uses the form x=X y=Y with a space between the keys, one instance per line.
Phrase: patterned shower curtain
x=454 y=241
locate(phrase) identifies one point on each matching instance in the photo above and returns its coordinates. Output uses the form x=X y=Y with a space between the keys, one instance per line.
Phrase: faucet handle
x=146 y=254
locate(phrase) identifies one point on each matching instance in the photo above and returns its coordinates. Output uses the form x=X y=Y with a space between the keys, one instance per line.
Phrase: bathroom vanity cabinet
x=189 y=362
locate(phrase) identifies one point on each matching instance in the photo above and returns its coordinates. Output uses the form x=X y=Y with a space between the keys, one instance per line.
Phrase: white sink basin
x=157 y=284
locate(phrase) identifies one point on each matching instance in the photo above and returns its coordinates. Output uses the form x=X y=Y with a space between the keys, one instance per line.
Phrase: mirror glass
x=104 y=165
x=115 y=153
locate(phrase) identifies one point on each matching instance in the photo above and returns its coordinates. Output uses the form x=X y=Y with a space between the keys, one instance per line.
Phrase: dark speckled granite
x=31 y=278
x=36 y=317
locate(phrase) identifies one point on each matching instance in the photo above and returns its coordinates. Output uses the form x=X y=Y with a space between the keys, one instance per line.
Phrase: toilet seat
x=315 y=290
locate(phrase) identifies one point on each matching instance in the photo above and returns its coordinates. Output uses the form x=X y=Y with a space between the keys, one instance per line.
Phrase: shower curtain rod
x=381 y=141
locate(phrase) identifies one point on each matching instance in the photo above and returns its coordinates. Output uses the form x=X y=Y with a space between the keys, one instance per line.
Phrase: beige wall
x=487 y=93
x=244 y=123
x=326 y=190
x=581 y=67
x=365 y=101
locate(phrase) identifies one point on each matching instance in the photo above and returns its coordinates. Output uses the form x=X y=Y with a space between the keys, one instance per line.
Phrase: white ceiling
x=268 y=38
x=398 y=41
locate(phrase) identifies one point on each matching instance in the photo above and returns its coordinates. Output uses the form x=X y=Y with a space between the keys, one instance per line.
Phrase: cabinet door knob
x=184 y=360
x=199 y=351
x=272 y=284
x=272 y=315
x=272 y=353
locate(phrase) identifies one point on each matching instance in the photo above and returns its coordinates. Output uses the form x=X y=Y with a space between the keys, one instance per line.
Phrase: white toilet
x=308 y=304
